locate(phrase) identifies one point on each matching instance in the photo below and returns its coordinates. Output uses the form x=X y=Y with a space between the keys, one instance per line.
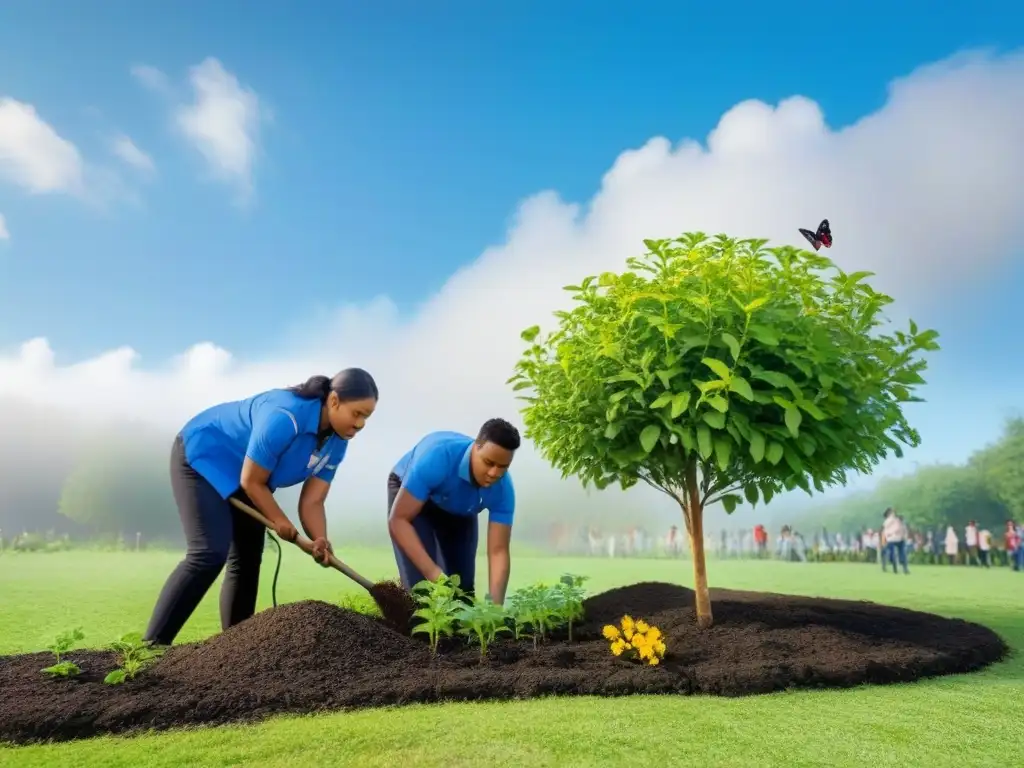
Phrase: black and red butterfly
x=822 y=237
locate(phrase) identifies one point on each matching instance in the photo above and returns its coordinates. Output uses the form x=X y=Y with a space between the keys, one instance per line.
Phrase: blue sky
x=399 y=139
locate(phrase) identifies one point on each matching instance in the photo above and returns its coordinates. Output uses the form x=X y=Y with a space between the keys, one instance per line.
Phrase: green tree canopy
x=720 y=370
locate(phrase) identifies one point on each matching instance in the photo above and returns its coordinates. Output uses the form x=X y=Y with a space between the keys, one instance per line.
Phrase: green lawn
x=956 y=721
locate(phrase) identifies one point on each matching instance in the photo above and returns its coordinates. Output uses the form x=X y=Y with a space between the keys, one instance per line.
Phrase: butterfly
x=822 y=237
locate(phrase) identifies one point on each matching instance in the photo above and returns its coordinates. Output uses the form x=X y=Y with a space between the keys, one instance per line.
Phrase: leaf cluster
x=760 y=369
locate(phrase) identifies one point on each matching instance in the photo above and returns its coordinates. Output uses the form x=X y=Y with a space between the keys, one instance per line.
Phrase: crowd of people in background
x=893 y=544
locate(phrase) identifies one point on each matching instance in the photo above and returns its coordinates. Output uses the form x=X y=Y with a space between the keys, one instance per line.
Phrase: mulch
x=312 y=656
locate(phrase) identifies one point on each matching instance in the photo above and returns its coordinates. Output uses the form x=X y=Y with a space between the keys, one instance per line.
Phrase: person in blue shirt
x=435 y=494
x=248 y=449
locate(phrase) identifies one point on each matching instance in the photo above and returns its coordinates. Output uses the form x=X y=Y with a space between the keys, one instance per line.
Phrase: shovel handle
x=305 y=545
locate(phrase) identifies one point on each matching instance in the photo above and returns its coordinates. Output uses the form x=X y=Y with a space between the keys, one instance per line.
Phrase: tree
x=720 y=370
x=1002 y=466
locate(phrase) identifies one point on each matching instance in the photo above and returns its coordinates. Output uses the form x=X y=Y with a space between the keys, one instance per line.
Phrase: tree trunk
x=694 y=513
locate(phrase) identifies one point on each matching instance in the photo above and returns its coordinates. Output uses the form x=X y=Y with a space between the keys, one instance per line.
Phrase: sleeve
x=272 y=430
x=505 y=510
x=330 y=468
x=426 y=472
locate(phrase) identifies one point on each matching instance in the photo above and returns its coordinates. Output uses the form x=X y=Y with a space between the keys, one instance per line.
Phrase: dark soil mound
x=309 y=656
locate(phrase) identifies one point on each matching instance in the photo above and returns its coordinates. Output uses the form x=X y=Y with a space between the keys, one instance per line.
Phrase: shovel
x=306 y=546
x=395 y=604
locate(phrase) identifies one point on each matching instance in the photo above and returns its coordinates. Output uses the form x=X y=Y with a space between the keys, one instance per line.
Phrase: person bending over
x=435 y=494
x=248 y=449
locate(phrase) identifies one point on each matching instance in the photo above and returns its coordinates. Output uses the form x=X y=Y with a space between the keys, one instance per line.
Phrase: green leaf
x=793 y=420
x=718 y=367
x=825 y=380
x=750 y=491
x=764 y=334
x=741 y=387
x=756 y=446
x=612 y=430
x=680 y=403
x=714 y=419
x=662 y=400
x=530 y=333
x=730 y=501
x=723 y=451
x=686 y=435
x=814 y=411
x=732 y=344
x=704 y=444
x=718 y=402
x=649 y=437
x=773 y=453
x=755 y=304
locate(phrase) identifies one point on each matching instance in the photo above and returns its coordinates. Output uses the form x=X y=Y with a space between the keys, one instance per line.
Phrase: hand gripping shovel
x=395 y=604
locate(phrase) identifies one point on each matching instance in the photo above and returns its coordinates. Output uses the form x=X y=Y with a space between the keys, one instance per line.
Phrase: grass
x=956 y=721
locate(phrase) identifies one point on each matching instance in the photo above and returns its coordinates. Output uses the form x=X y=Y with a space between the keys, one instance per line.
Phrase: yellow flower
x=659 y=648
x=628 y=634
x=627 y=624
x=618 y=647
x=653 y=634
x=645 y=652
x=610 y=632
x=653 y=660
x=642 y=626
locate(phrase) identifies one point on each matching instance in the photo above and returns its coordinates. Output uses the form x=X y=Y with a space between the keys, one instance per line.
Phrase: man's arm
x=424 y=473
x=499 y=559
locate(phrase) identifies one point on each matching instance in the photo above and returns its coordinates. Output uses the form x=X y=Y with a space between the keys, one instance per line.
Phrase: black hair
x=349 y=384
x=499 y=432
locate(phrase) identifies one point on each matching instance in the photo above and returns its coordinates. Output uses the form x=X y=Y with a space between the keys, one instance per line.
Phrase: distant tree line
x=987 y=488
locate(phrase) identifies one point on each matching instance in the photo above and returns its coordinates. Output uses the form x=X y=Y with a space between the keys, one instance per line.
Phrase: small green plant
x=538 y=606
x=570 y=599
x=61 y=644
x=440 y=601
x=482 y=620
x=135 y=655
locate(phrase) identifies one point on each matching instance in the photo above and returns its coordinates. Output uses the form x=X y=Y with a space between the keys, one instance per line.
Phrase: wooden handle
x=305 y=545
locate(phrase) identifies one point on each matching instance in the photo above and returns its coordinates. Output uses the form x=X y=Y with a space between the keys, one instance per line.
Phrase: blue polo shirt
x=276 y=429
x=437 y=469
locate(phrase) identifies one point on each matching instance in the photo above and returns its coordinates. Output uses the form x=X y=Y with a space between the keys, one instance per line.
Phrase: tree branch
x=657 y=487
x=724 y=492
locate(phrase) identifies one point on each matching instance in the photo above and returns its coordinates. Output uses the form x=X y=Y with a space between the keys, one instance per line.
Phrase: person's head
x=887 y=512
x=493 y=450
x=348 y=399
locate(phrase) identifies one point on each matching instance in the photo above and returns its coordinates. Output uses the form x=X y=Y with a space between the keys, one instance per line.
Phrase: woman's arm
x=254 y=483
x=312 y=513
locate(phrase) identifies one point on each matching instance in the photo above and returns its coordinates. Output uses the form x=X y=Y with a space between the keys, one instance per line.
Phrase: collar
x=311 y=422
x=464 y=471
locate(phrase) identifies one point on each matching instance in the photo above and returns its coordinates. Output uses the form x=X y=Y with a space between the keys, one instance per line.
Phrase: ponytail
x=349 y=384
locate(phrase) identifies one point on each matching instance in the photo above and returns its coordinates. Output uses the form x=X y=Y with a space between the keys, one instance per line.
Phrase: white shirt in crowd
x=985 y=540
x=971 y=536
x=893 y=529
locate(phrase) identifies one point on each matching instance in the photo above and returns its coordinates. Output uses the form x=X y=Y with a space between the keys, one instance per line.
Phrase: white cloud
x=33 y=155
x=151 y=78
x=925 y=191
x=126 y=149
x=222 y=123
x=4 y=233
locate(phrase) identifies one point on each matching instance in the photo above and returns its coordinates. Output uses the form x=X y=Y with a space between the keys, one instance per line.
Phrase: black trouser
x=450 y=540
x=216 y=534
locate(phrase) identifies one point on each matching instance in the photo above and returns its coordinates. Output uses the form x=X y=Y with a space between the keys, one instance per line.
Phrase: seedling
x=571 y=593
x=135 y=655
x=538 y=607
x=482 y=620
x=61 y=644
x=440 y=601
x=516 y=613
x=636 y=640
